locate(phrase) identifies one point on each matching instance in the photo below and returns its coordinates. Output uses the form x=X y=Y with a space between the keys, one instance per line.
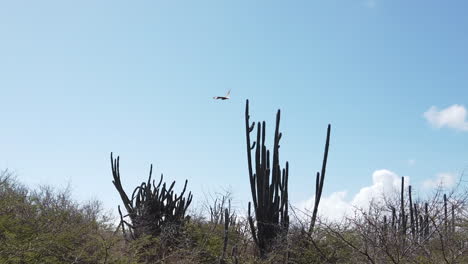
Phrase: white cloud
x=452 y=117
x=334 y=207
x=384 y=183
x=442 y=180
x=411 y=162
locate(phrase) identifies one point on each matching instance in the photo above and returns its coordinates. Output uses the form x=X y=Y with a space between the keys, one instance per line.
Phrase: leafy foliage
x=46 y=226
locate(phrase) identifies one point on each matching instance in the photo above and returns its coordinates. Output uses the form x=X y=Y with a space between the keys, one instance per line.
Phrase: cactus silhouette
x=151 y=205
x=269 y=187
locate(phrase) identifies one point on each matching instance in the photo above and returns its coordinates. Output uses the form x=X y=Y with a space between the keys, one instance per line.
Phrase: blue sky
x=81 y=79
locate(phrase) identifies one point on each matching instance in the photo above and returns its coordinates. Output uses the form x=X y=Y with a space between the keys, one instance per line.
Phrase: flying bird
x=223 y=97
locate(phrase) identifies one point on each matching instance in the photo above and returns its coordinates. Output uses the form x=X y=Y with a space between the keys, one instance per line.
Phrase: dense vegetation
x=45 y=225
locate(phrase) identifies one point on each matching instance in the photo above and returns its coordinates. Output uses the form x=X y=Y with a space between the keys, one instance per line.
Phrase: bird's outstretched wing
x=223 y=97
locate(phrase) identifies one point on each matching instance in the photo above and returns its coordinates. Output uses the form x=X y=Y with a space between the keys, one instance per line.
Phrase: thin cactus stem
x=249 y=129
x=416 y=219
x=319 y=180
x=426 y=220
x=453 y=218
x=411 y=212
x=385 y=227
x=226 y=232
x=421 y=227
x=445 y=214
x=402 y=207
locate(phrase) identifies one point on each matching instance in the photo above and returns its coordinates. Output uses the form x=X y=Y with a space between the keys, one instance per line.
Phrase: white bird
x=223 y=97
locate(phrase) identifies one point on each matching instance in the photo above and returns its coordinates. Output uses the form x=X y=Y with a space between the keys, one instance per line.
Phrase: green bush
x=46 y=226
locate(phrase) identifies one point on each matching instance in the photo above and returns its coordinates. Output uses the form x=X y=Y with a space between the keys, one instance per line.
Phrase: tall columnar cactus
x=269 y=187
x=319 y=178
x=226 y=235
x=416 y=219
x=445 y=214
x=402 y=207
x=453 y=219
x=151 y=206
x=412 y=222
x=426 y=220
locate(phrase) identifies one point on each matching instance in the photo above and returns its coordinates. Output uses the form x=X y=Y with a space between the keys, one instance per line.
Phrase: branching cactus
x=269 y=187
x=151 y=206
